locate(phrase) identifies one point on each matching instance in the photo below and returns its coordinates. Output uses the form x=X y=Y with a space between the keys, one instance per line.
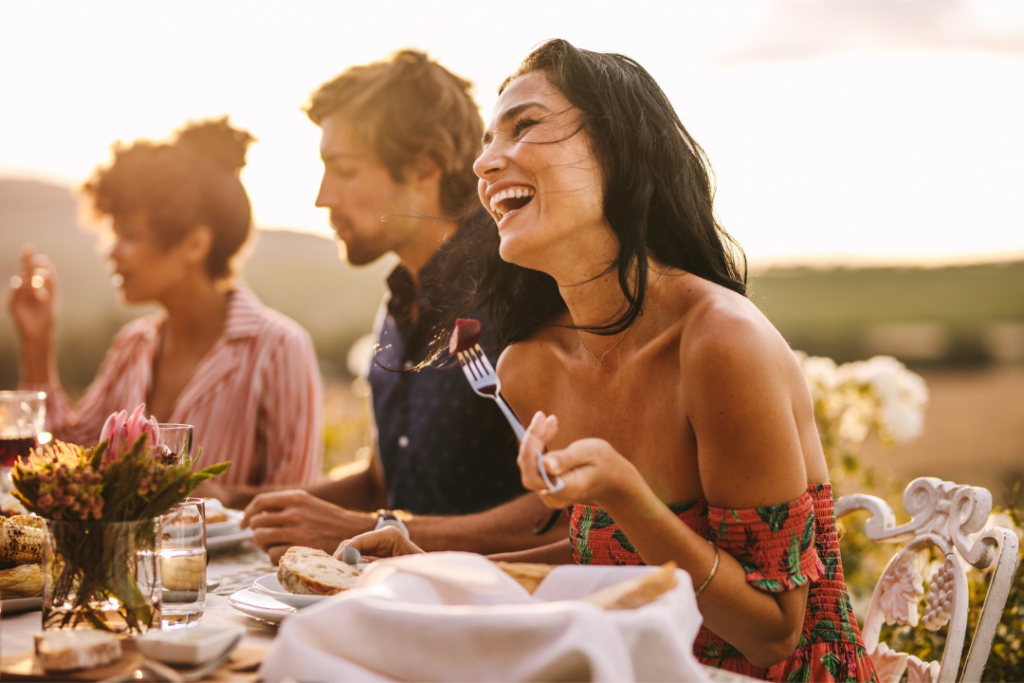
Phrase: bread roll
x=528 y=574
x=636 y=592
x=23 y=581
x=308 y=571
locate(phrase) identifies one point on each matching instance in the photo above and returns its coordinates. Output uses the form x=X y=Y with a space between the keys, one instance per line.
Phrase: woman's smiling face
x=539 y=177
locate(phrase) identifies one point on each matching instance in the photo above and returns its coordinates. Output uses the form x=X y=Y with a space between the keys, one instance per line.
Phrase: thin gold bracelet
x=714 y=569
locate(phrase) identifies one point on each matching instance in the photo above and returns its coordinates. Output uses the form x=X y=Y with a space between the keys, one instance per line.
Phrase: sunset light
x=842 y=130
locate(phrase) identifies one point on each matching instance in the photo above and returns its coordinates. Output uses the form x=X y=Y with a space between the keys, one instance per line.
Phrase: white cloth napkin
x=457 y=617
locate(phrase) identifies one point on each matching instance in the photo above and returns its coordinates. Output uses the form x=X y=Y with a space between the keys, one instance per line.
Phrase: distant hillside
x=940 y=316
x=295 y=273
x=962 y=315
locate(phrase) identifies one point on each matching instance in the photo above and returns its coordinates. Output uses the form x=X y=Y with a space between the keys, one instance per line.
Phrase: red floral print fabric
x=781 y=547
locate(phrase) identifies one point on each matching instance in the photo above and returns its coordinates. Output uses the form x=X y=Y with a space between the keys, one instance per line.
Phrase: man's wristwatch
x=387 y=518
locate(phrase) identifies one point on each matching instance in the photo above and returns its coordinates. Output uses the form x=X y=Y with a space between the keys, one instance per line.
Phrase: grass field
x=958 y=313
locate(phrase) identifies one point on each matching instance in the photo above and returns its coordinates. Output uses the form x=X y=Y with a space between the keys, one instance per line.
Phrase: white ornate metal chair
x=943 y=515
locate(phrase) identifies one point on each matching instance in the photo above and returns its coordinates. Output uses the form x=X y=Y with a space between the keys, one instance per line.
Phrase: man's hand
x=386 y=542
x=282 y=519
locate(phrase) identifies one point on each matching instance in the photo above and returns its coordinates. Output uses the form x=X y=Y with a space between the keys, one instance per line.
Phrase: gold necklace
x=600 y=361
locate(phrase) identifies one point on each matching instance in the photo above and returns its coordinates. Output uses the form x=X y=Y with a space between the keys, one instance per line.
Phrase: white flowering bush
x=854 y=401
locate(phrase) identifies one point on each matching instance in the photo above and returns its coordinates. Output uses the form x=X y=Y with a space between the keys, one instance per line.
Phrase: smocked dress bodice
x=780 y=548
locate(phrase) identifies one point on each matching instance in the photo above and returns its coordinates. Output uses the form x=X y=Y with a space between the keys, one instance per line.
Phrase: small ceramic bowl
x=195 y=645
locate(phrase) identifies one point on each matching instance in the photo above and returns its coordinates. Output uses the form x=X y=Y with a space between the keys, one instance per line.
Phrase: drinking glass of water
x=183 y=563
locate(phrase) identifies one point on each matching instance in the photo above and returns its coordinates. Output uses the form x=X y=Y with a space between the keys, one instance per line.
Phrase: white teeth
x=510 y=193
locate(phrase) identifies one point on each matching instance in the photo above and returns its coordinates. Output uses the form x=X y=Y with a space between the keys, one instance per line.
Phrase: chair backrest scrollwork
x=944 y=516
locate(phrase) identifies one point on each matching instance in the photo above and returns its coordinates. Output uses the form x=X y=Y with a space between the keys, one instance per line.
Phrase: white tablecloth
x=234 y=570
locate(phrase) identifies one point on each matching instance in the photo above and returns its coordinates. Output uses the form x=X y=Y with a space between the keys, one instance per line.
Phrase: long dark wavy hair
x=658 y=198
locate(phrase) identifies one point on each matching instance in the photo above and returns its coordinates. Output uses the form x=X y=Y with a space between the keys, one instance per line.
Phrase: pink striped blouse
x=255 y=399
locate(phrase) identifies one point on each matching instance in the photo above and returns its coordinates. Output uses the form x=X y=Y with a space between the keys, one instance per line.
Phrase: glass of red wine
x=174 y=441
x=22 y=414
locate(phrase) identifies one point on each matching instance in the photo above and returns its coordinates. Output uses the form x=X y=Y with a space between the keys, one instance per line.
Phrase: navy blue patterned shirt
x=445 y=450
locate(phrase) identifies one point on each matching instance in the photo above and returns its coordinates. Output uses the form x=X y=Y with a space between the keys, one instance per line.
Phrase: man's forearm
x=360 y=490
x=506 y=528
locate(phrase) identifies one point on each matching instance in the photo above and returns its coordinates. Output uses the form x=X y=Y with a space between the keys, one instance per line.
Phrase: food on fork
x=465 y=336
x=636 y=592
x=308 y=571
x=21 y=581
x=73 y=649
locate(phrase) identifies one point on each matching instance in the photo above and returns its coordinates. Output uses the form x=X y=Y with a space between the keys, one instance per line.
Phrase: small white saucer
x=260 y=606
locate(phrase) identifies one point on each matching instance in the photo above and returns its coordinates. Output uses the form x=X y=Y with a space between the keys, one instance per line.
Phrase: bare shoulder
x=744 y=401
x=725 y=333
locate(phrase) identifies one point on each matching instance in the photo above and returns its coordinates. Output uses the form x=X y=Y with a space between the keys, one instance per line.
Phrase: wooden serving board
x=23 y=666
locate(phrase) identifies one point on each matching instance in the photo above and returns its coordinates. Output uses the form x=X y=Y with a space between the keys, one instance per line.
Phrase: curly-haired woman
x=214 y=357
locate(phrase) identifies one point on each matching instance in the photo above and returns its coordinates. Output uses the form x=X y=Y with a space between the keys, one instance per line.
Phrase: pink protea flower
x=121 y=431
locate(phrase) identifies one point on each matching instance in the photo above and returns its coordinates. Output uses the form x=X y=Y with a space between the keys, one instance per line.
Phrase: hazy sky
x=838 y=129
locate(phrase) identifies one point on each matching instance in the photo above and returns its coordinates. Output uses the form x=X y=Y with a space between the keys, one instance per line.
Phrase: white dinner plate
x=227 y=541
x=270 y=586
x=260 y=606
x=19 y=605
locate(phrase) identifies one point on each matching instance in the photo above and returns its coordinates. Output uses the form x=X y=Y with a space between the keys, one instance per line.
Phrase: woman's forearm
x=38 y=362
x=764 y=626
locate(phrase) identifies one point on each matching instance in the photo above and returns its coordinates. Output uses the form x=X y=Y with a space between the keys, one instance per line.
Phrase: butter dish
x=194 y=645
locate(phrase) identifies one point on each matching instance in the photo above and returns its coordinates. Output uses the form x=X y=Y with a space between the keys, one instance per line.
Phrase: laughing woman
x=214 y=357
x=684 y=428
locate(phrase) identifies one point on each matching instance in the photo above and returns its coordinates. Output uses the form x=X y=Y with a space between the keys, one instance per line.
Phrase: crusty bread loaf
x=68 y=650
x=636 y=592
x=308 y=571
x=528 y=574
x=23 y=581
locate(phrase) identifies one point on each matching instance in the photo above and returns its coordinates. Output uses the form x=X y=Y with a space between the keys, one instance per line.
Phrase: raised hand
x=33 y=298
x=594 y=473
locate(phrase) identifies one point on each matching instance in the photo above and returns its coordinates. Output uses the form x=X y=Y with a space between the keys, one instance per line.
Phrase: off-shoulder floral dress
x=780 y=548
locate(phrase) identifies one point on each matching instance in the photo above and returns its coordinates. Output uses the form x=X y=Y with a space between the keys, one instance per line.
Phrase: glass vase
x=102 y=575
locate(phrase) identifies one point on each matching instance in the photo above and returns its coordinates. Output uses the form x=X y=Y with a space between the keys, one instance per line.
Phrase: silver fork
x=484 y=380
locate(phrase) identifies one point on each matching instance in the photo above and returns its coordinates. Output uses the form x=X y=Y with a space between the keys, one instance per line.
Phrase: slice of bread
x=636 y=592
x=528 y=574
x=308 y=571
x=69 y=650
x=22 y=581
